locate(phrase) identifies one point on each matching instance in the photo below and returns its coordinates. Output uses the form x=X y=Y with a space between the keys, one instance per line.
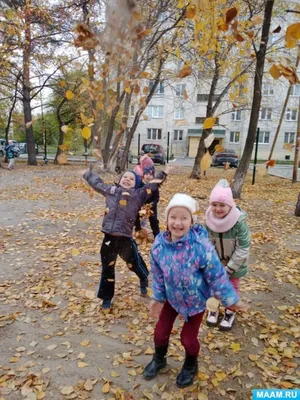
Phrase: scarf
x=221 y=225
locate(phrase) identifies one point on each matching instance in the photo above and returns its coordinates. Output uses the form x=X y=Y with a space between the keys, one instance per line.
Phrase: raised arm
x=96 y=182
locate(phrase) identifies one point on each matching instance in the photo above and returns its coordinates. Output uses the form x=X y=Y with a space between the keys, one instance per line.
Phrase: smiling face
x=220 y=210
x=179 y=222
x=128 y=180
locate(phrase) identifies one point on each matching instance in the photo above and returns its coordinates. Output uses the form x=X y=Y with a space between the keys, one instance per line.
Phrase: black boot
x=188 y=372
x=158 y=362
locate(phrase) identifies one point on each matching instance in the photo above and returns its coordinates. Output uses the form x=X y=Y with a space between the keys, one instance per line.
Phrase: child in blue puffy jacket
x=186 y=271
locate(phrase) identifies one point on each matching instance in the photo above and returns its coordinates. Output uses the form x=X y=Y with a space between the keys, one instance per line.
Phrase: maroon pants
x=189 y=333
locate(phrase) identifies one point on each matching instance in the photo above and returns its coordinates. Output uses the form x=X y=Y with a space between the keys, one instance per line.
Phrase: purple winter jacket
x=122 y=205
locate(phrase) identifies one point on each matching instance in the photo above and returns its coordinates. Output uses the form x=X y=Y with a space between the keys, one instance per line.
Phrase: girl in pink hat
x=230 y=234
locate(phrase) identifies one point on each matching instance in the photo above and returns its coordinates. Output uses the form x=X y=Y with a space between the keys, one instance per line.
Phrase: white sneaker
x=212 y=318
x=227 y=321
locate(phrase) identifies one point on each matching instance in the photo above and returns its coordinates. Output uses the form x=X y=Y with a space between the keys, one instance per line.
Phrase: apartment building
x=177 y=111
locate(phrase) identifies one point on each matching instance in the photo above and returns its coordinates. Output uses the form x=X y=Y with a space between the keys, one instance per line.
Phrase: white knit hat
x=183 y=200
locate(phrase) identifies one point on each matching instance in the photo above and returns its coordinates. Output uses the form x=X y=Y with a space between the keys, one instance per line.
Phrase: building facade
x=175 y=115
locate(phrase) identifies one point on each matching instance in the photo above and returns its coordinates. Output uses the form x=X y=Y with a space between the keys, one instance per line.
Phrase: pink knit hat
x=222 y=193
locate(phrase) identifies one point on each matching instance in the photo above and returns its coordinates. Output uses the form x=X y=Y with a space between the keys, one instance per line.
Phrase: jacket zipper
x=115 y=216
x=222 y=246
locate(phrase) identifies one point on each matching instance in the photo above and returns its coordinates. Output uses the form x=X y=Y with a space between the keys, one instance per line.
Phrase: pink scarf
x=221 y=225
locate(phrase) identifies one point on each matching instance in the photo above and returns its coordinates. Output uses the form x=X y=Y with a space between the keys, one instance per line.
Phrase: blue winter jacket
x=187 y=272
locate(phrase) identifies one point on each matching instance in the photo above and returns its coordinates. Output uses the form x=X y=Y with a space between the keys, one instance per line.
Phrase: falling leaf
x=85 y=343
x=190 y=12
x=208 y=140
x=185 y=71
x=236 y=347
x=28 y=124
x=230 y=15
x=271 y=163
x=123 y=202
x=65 y=128
x=106 y=387
x=75 y=252
x=69 y=95
x=256 y=20
x=277 y=30
x=205 y=161
x=86 y=132
x=274 y=72
x=62 y=159
x=209 y=122
x=185 y=95
x=219 y=148
x=292 y=35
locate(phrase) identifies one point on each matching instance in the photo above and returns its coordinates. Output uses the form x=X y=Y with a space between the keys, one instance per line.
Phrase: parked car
x=16 y=149
x=23 y=148
x=226 y=156
x=156 y=152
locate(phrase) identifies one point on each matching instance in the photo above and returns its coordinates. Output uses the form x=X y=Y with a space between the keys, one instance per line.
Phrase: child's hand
x=83 y=171
x=155 y=308
x=239 y=306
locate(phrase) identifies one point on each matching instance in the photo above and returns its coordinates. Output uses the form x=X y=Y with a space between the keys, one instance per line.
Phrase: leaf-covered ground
x=56 y=343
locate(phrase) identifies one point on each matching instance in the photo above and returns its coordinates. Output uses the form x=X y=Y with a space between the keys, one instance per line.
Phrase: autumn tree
x=260 y=55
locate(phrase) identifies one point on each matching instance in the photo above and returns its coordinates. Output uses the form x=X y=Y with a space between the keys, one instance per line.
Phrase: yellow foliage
x=292 y=35
x=86 y=132
x=205 y=161
x=69 y=95
x=209 y=123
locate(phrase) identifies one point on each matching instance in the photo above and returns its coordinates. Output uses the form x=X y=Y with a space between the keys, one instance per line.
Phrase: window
x=204 y=97
x=178 y=135
x=289 y=137
x=155 y=111
x=265 y=113
x=132 y=111
x=154 y=134
x=159 y=88
x=180 y=90
x=234 y=137
x=264 y=137
x=267 y=89
x=236 y=115
x=199 y=120
x=291 y=114
x=295 y=90
x=179 y=113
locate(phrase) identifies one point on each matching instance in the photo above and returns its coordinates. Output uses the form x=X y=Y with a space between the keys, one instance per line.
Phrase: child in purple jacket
x=122 y=204
x=186 y=271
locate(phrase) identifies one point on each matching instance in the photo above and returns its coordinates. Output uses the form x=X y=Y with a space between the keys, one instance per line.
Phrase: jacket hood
x=138 y=180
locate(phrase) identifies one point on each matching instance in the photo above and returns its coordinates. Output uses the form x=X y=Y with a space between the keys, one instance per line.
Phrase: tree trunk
x=297 y=209
x=297 y=147
x=26 y=92
x=61 y=137
x=196 y=172
x=118 y=137
x=242 y=169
